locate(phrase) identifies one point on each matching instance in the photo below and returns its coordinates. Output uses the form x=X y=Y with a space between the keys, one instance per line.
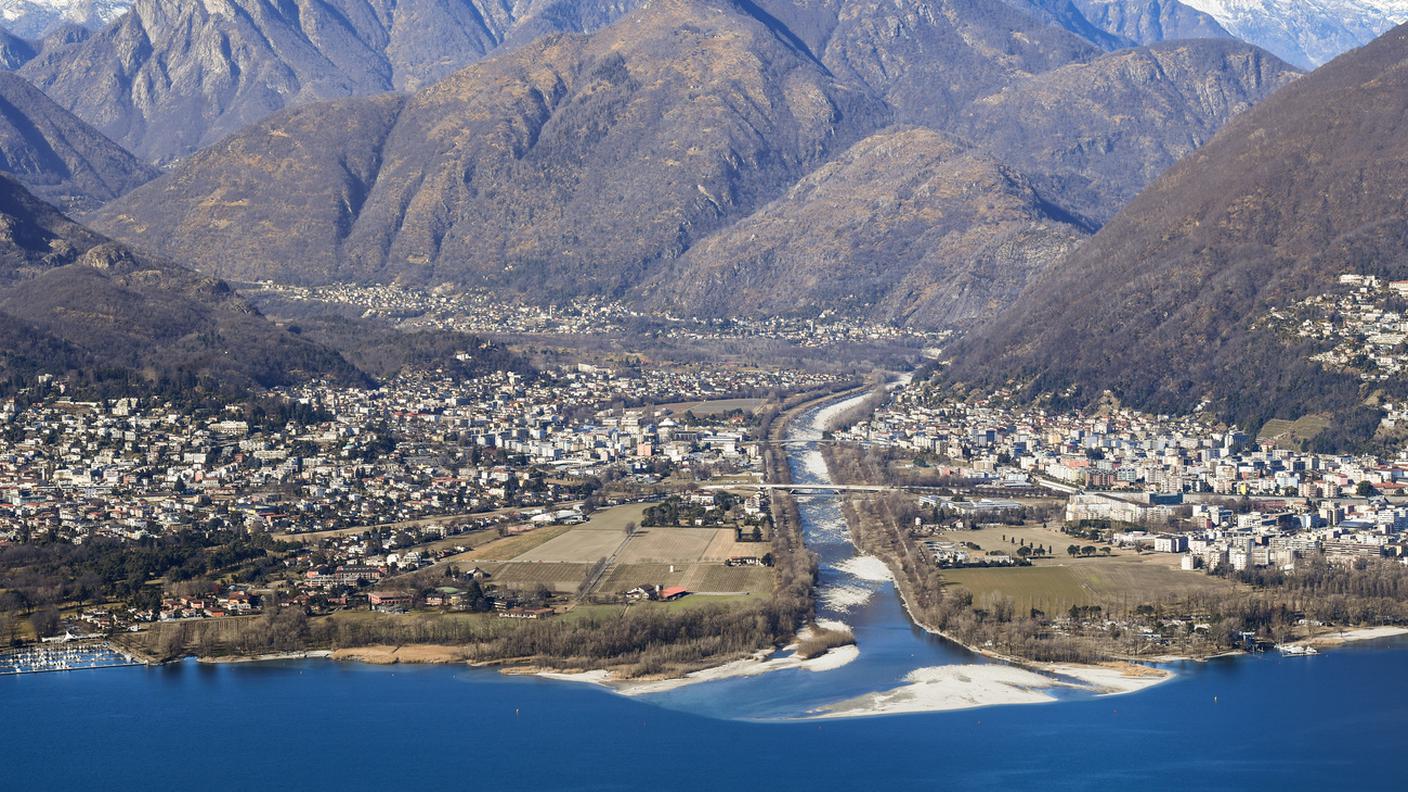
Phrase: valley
x=743 y=363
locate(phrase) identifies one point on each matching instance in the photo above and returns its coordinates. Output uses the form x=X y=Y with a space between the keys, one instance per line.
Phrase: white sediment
x=866 y=567
x=844 y=597
x=952 y=687
x=748 y=667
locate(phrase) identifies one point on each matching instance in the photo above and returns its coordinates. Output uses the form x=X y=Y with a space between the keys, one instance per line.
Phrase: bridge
x=823 y=487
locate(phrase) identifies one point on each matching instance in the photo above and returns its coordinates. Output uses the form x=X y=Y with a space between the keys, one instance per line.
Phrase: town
x=343 y=487
x=1215 y=497
x=478 y=311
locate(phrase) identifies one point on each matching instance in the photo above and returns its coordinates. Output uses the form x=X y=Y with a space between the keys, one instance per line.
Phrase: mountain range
x=917 y=228
x=592 y=163
x=992 y=165
x=173 y=76
x=1161 y=307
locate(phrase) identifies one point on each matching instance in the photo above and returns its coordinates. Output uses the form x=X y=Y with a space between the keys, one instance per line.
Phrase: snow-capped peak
x=1306 y=33
x=32 y=19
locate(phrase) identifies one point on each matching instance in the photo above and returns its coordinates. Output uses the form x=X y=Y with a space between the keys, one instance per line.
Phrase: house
x=390 y=601
x=673 y=593
x=1170 y=543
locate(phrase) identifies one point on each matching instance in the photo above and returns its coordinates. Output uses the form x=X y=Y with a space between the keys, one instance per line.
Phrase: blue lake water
x=1333 y=721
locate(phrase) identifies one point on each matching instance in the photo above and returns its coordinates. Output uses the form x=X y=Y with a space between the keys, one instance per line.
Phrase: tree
x=1088 y=550
x=45 y=622
x=1072 y=550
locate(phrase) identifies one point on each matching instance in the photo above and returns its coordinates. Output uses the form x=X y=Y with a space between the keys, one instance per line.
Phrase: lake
x=1330 y=721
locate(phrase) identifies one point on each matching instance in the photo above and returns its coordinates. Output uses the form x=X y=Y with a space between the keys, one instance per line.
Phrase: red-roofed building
x=673 y=593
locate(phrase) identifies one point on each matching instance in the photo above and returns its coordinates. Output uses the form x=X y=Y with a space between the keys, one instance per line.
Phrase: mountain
x=1092 y=135
x=35 y=19
x=60 y=158
x=1164 y=305
x=908 y=225
x=571 y=165
x=73 y=302
x=914 y=227
x=1150 y=21
x=928 y=58
x=14 y=51
x=1306 y=33
x=174 y=76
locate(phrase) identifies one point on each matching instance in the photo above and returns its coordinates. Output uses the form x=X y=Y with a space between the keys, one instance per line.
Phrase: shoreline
x=1340 y=637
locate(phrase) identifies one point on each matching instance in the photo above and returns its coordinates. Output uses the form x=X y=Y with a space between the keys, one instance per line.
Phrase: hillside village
x=1363 y=325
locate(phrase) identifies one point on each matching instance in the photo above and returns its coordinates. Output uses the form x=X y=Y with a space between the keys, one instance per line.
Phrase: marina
x=77 y=655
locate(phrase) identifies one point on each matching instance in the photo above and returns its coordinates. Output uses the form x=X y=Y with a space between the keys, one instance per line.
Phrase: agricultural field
x=560 y=557
x=616 y=517
x=727 y=580
x=706 y=408
x=625 y=577
x=560 y=578
x=1054 y=586
x=510 y=547
x=577 y=545
x=669 y=545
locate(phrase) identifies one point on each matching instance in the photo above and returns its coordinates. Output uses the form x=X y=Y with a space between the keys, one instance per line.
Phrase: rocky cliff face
x=1150 y=21
x=14 y=51
x=174 y=76
x=1092 y=135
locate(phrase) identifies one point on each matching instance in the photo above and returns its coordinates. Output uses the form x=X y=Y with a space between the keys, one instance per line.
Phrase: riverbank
x=1330 y=640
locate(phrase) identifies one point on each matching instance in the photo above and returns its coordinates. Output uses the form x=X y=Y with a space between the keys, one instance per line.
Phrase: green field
x=705 y=408
x=627 y=576
x=1056 y=586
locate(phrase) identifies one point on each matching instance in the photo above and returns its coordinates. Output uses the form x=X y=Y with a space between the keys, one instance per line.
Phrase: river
x=1329 y=721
